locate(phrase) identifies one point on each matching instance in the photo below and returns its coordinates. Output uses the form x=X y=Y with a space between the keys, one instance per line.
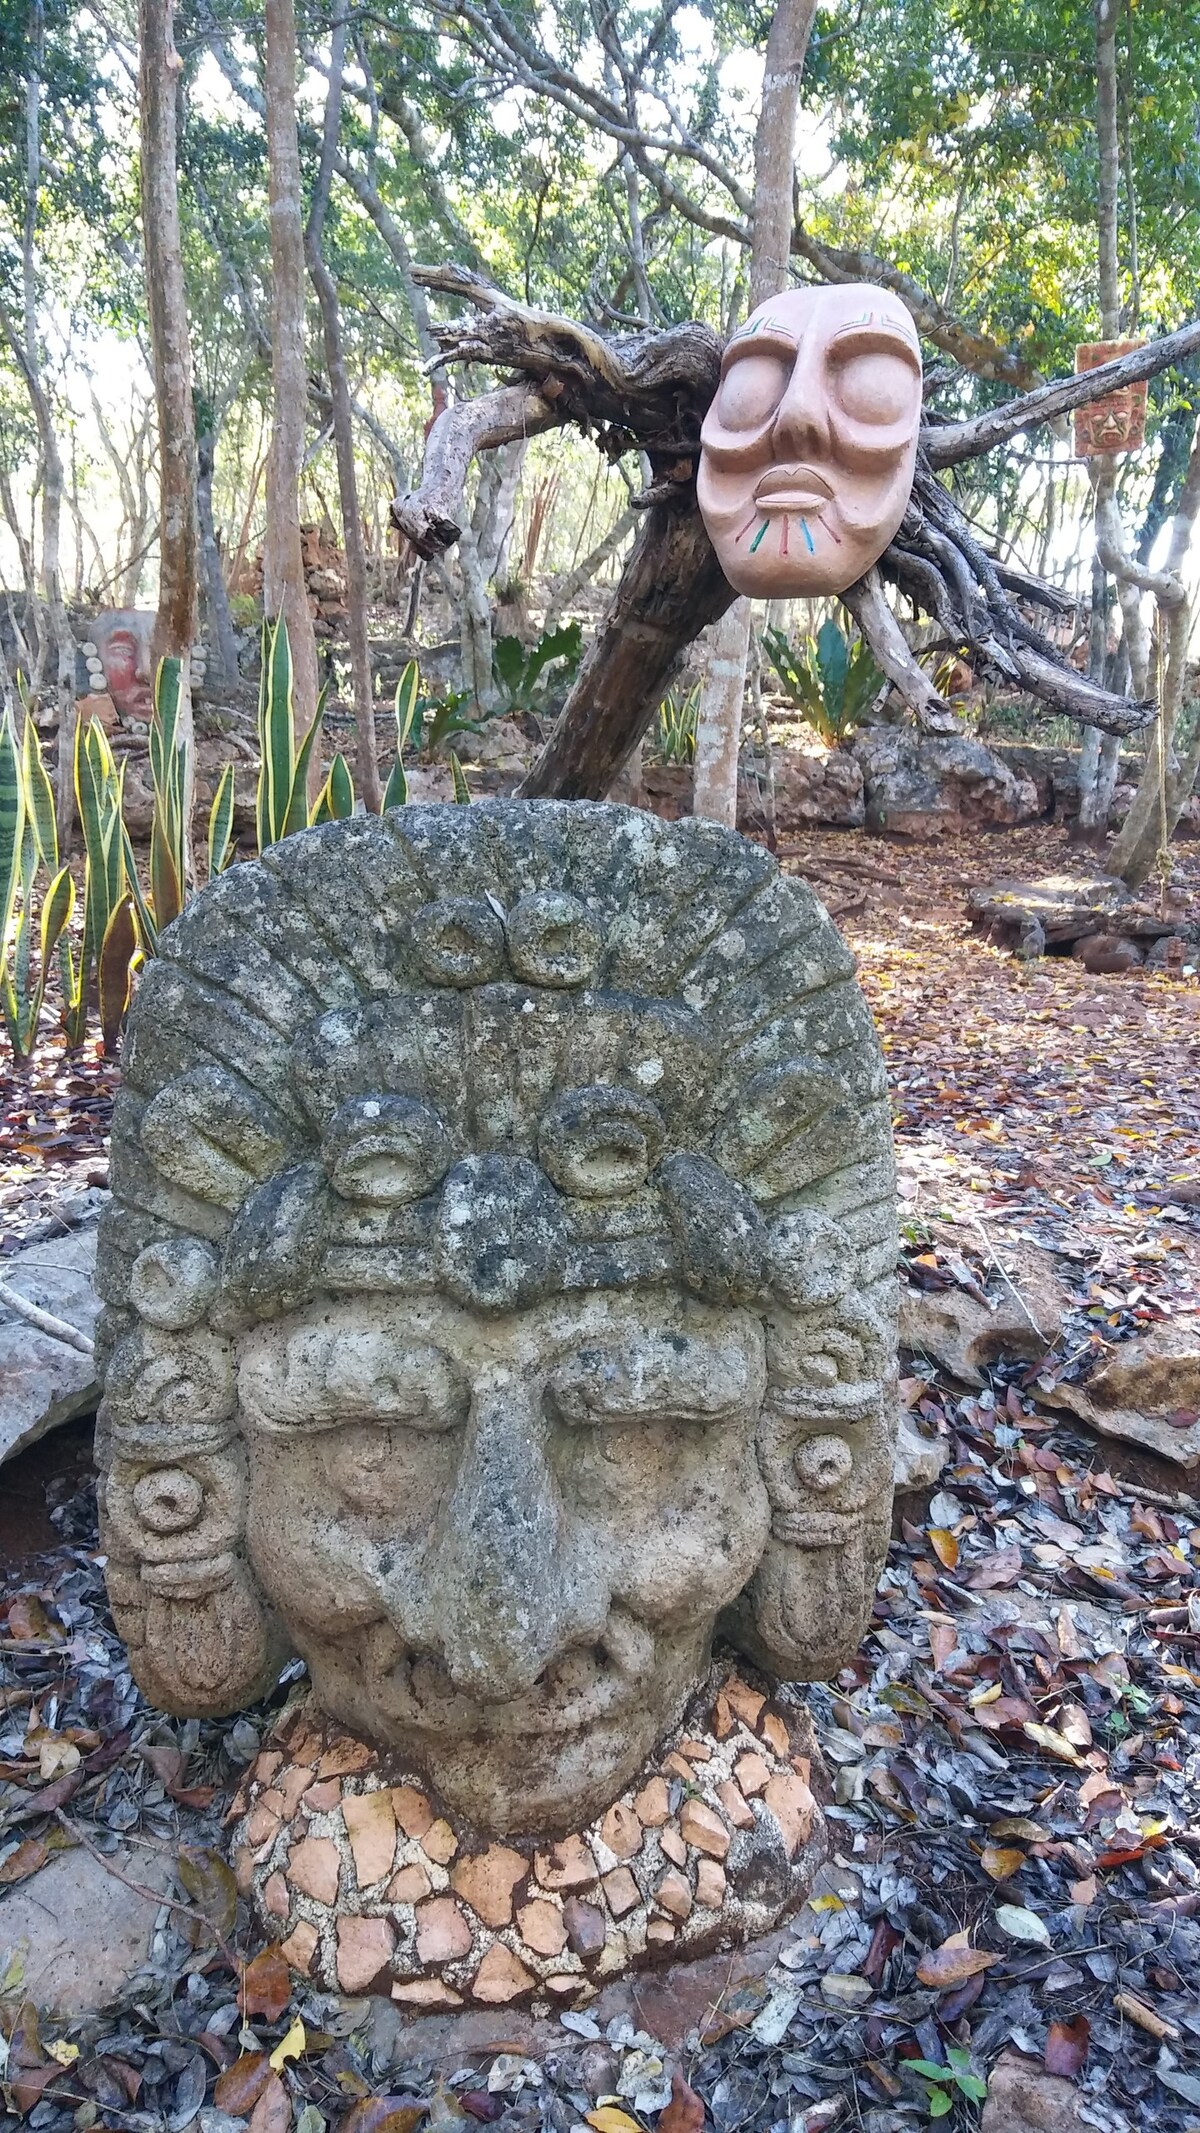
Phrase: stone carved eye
x=168 y=1500
x=600 y=1142
x=458 y=941
x=552 y=940
x=173 y=1283
x=823 y=1463
x=385 y=1149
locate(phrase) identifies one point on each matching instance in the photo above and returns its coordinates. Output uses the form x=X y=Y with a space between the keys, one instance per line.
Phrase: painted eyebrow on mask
x=765 y=340
x=876 y=336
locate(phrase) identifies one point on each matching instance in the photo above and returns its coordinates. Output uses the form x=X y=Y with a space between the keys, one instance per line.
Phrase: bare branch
x=883 y=633
x=432 y=516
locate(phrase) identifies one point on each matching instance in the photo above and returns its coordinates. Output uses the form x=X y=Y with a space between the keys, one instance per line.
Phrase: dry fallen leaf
x=266 y=1985
x=273 y=2111
x=382 y=2114
x=1054 y=1743
x=240 y=2086
x=1067 y=2046
x=685 y=2112
x=290 y=2046
x=944 y=1546
x=608 y=2119
x=1001 y=1861
x=1023 y=1925
x=953 y=1963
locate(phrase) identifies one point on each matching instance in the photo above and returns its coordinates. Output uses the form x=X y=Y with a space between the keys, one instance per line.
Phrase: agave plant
x=28 y=847
x=675 y=734
x=283 y=768
x=408 y=701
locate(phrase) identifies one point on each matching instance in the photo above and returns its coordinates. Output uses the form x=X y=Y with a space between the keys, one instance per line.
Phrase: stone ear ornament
x=506 y=1187
x=809 y=447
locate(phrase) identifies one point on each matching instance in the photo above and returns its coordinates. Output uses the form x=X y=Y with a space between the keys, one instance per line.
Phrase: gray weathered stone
x=500 y=1286
x=921 y=785
x=80 y=1933
x=43 y=1381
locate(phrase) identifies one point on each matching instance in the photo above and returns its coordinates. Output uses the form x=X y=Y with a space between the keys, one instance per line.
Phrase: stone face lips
x=372 y=1907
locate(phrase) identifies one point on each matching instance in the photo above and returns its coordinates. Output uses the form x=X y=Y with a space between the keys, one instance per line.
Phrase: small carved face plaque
x=505 y=1540
x=809 y=447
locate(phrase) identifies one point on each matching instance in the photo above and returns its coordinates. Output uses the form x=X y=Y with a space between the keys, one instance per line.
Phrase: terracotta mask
x=500 y=1274
x=808 y=449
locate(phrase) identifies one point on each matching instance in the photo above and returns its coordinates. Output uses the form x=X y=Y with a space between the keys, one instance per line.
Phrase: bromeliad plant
x=831 y=680
x=526 y=676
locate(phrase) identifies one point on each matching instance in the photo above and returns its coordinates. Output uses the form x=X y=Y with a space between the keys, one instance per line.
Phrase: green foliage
x=408 y=701
x=109 y=890
x=168 y=772
x=282 y=803
x=675 y=732
x=27 y=847
x=220 y=825
x=831 y=680
x=956 y=2075
x=462 y=791
x=526 y=676
x=335 y=803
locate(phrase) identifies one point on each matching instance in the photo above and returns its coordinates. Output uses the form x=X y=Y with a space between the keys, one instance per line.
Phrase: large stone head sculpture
x=808 y=450
x=499 y=1284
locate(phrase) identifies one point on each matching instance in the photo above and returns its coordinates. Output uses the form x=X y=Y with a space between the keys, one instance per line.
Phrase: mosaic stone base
x=367 y=1886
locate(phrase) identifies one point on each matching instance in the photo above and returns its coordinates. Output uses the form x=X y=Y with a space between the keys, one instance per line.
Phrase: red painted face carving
x=808 y=449
x=127 y=678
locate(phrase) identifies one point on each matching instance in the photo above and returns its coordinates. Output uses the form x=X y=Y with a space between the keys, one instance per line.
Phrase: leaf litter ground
x=1014 y=1753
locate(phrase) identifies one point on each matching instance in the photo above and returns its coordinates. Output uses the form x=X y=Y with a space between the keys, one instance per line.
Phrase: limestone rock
x=371 y=1827
x=1146 y=1391
x=82 y=1932
x=442 y=1930
x=1024 y=2098
x=1023 y=1316
x=43 y=1382
x=500 y=1978
x=921 y=785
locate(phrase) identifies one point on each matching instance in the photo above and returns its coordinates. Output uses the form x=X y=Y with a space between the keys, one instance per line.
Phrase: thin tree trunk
x=171 y=359
x=719 y=725
x=23 y=345
x=224 y=656
x=573 y=584
x=366 y=761
x=284 y=591
x=1166 y=779
x=1099 y=753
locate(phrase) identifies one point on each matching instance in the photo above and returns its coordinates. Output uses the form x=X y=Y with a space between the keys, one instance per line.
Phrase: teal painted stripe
x=758 y=536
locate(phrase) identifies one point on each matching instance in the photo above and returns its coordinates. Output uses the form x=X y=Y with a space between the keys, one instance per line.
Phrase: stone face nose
x=802 y=417
x=505 y=1593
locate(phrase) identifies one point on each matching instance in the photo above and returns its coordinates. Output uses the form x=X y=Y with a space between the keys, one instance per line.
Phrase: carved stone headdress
x=503 y=1053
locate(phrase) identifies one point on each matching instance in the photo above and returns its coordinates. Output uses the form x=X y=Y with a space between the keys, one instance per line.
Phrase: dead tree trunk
x=649 y=393
x=284 y=590
x=366 y=761
x=171 y=359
